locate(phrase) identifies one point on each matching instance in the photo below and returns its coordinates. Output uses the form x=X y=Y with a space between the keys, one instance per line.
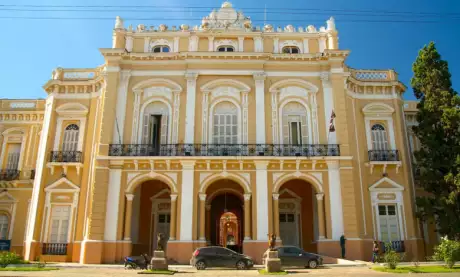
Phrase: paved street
x=326 y=272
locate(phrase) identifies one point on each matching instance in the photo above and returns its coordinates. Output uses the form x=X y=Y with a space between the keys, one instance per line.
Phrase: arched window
x=161 y=49
x=291 y=50
x=70 y=141
x=4 y=226
x=225 y=124
x=225 y=48
x=295 y=127
x=379 y=137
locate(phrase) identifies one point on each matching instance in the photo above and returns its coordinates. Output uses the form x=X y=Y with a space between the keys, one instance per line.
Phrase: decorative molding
x=22 y=105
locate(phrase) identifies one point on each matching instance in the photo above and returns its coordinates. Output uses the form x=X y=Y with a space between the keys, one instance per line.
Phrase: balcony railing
x=280 y=150
x=9 y=174
x=54 y=249
x=383 y=155
x=66 y=157
x=397 y=246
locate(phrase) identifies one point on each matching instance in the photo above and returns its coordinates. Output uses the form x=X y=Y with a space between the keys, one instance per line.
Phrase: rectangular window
x=295 y=130
x=3 y=226
x=14 y=151
x=388 y=222
x=225 y=129
x=60 y=221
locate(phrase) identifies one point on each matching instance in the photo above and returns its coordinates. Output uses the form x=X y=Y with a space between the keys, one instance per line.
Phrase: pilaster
x=262 y=199
x=260 y=107
x=190 y=107
x=186 y=215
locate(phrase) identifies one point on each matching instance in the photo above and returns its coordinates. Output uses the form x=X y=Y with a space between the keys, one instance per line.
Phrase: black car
x=292 y=256
x=216 y=256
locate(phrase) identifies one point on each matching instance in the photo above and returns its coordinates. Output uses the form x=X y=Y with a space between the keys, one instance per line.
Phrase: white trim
x=335 y=200
x=390 y=127
x=293 y=82
x=75 y=95
x=120 y=112
x=187 y=199
x=262 y=199
x=190 y=108
x=225 y=175
x=328 y=107
x=209 y=86
x=63 y=180
x=281 y=114
x=222 y=72
x=156 y=82
x=112 y=205
x=151 y=176
x=60 y=130
x=260 y=108
x=40 y=164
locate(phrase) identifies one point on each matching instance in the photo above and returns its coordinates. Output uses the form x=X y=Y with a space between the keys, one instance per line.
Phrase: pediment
x=6 y=197
x=75 y=109
x=386 y=184
x=62 y=184
x=378 y=108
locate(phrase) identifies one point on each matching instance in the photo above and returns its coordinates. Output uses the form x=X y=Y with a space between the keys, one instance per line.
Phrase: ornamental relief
x=157 y=91
x=226 y=91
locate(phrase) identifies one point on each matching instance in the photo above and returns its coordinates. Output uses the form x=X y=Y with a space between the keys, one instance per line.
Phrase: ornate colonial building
x=216 y=134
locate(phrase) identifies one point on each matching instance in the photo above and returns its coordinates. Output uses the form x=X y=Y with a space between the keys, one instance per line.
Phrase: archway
x=150 y=215
x=297 y=214
x=225 y=216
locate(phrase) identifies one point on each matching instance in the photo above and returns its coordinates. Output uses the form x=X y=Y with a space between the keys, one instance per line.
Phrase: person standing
x=342 y=245
x=375 y=251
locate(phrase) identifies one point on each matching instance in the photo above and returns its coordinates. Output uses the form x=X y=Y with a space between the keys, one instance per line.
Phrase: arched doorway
x=297 y=214
x=150 y=215
x=225 y=217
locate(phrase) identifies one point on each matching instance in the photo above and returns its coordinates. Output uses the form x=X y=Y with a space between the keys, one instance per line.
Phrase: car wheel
x=312 y=264
x=200 y=265
x=240 y=265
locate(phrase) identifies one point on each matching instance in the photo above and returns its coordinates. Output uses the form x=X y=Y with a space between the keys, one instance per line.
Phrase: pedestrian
x=375 y=251
x=342 y=245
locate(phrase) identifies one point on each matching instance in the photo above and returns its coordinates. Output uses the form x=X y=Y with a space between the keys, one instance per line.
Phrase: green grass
x=157 y=271
x=265 y=272
x=28 y=268
x=420 y=269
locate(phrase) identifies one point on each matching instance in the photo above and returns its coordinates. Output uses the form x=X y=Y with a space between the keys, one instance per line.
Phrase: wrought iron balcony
x=278 y=150
x=9 y=174
x=54 y=249
x=383 y=155
x=66 y=157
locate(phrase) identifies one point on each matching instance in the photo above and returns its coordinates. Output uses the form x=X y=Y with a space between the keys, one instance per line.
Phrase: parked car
x=216 y=256
x=292 y=256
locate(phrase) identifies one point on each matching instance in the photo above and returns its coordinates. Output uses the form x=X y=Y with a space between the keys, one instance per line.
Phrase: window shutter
x=13 y=156
x=3 y=227
x=146 y=129
x=70 y=139
x=304 y=128
x=164 y=129
x=285 y=130
x=60 y=218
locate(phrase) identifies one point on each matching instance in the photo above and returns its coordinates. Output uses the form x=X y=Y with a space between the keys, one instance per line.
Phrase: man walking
x=342 y=245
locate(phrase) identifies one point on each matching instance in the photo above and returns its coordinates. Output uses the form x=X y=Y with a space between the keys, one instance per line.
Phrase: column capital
x=259 y=76
x=188 y=164
x=173 y=197
x=191 y=76
x=324 y=76
x=202 y=196
x=261 y=164
x=333 y=164
x=276 y=196
x=319 y=196
x=210 y=37
x=129 y=197
x=247 y=196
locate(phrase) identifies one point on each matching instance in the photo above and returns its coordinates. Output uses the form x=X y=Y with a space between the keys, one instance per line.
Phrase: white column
x=193 y=43
x=135 y=137
x=328 y=106
x=211 y=44
x=122 y=94
x=146 y=44
x=57 y=136
x=186 y=198
x=129 y=43
x=306 y=48
x=276 y=45
x=258 y=45
x=40 y=166
x=260 y=107
x=240 y=44
x=190 y=108
x=176 y=44
x=262 y=199
x=322 y=44
x=113 y=202
x=335 y=199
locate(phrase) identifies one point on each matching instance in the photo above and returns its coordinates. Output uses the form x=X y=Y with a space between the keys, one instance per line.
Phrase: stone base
x=159 y=261
x=272 y=262
x=255 y=249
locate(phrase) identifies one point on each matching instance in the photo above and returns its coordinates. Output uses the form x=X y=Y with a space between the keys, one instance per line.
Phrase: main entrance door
x=289 y=232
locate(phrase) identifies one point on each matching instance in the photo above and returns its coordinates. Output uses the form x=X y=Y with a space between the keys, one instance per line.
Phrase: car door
x=282 y=256
x=293 y=256
x=223 y=258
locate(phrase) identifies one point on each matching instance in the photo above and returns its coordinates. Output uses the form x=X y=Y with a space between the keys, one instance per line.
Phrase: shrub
x=7 y=258
x=447 y=251
x=391 y=258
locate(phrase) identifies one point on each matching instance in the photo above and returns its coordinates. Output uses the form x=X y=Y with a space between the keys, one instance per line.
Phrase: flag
x=331 y=122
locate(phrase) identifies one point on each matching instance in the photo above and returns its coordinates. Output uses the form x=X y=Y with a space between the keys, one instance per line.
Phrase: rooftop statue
x=226 y=18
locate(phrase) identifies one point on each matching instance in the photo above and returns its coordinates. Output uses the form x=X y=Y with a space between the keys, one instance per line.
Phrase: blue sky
x=33 y=48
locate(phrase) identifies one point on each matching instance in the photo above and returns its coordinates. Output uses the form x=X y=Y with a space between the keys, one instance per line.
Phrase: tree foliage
x=437 y=163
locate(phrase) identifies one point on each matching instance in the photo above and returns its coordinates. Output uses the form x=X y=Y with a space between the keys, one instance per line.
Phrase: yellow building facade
x=218 y=134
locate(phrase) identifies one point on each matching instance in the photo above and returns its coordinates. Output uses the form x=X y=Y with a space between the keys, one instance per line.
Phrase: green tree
x=437 y=163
